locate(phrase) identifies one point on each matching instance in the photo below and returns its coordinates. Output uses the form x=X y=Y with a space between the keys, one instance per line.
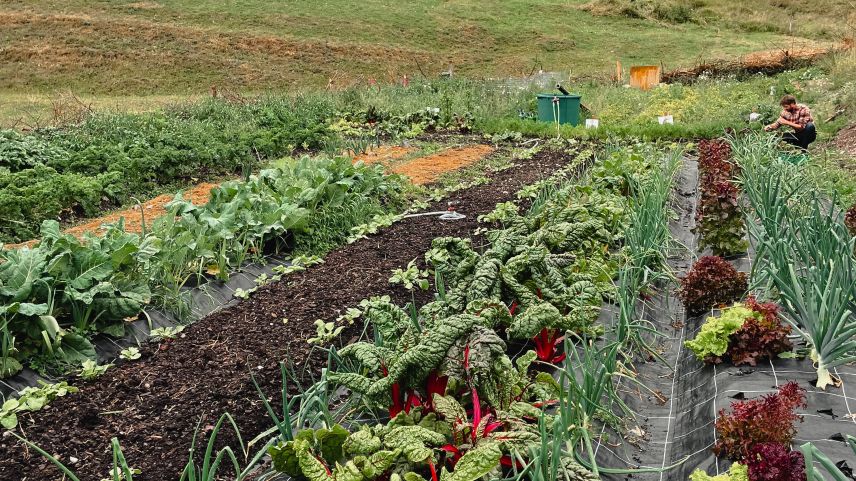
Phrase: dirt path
x=428 y=168
x=384 y=154
x=153 y=405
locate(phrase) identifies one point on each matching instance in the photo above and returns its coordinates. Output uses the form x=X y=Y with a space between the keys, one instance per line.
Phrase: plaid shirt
x=802 y=116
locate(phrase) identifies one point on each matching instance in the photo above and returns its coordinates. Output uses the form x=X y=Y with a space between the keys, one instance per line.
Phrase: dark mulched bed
x=153 y=406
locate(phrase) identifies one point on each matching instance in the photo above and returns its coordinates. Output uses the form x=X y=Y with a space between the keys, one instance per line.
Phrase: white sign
x=666 y=119
x=592 y=123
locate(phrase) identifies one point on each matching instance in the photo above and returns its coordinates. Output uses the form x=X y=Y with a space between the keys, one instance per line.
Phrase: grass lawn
x=138 y=49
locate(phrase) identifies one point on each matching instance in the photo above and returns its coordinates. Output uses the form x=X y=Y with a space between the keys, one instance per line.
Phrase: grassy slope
x=117 y=48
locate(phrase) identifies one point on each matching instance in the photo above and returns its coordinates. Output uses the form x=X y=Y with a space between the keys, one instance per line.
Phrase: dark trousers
x=801 y=138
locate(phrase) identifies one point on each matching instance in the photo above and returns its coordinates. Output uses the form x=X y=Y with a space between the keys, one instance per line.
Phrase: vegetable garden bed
x=154 y=405
x=626 y=376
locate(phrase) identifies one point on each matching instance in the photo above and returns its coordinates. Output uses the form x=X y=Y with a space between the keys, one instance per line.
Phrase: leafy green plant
x=763 y=336
x=90 y=370
x=373 y=226
x=737 y=472
x=503 y=211
x=244 y=293
x=711 y=282
x=161 y=333
x=351 y=314
x=325 y=332
x=410 y=277
x=31 y=399
x=719 y=218
x=768 y=419
x=130 y=354
x=56 y=293
x=712 y=339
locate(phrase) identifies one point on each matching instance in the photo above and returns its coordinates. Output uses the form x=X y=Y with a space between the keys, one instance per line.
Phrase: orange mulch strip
x=198 y=194
x=424 y=170
x=383 y=154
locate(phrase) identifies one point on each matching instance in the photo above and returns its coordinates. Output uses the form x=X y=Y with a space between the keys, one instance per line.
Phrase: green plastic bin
x=795 y=158
x=569 y=108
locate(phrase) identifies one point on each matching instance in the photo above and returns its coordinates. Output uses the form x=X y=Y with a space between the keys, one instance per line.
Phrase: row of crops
x=798 y=300
x=448 y=395
x=57 y=295
x=109 y=160
x=511 y=372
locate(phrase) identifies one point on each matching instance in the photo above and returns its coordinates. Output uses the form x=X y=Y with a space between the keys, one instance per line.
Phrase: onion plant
x=812 y=454
x=121 y=470
x=647 y=242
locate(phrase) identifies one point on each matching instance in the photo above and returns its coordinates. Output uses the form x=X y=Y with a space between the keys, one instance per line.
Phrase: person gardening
x=797 y=116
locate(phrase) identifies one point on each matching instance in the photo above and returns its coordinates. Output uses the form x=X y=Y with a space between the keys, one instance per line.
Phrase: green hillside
x=113 y=47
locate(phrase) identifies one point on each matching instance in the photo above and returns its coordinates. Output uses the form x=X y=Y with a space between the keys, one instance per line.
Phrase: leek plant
x=811 y=454
x=805 y=256
x=812 y=267
x=773 y=189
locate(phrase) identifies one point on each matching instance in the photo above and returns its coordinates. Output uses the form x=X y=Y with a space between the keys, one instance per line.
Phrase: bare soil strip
x=153 y=405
